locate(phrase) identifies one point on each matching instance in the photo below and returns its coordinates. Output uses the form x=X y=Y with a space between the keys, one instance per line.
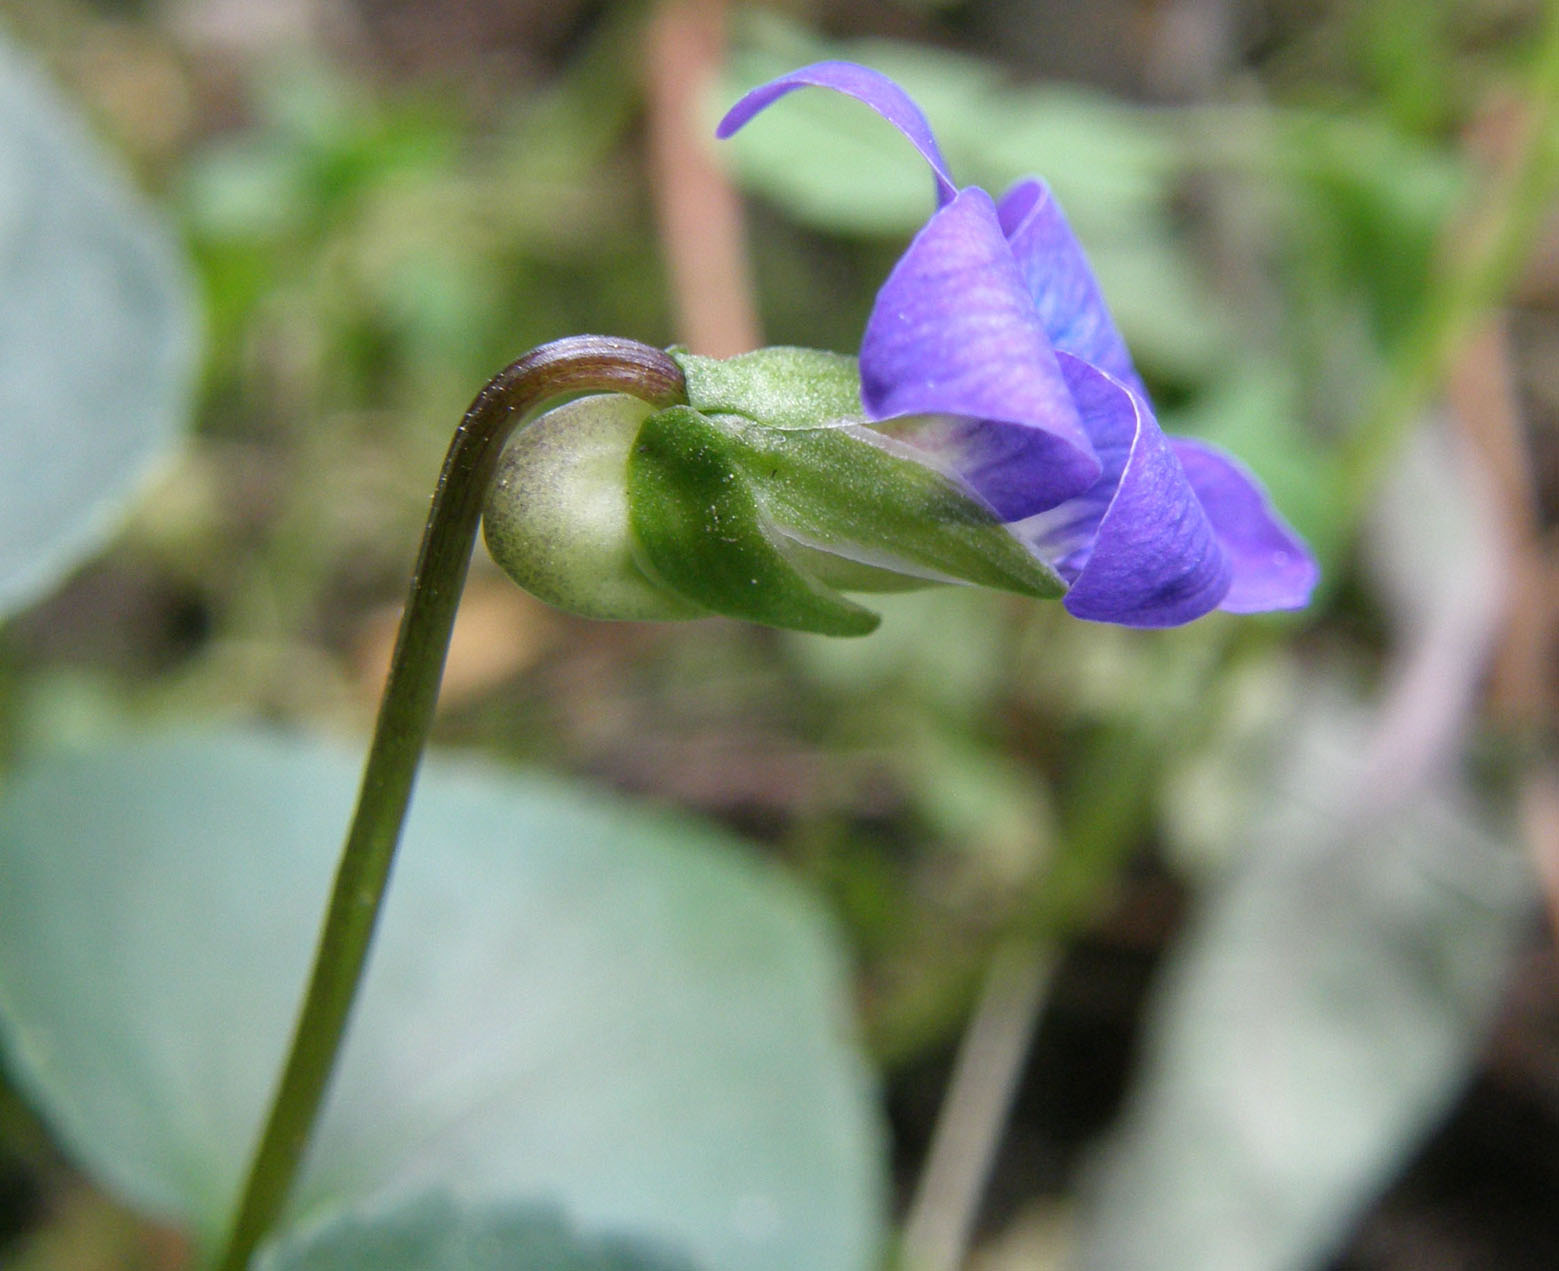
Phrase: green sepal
x=781 y=387
x=702 y=532
x=872 y=501
x=876 y=506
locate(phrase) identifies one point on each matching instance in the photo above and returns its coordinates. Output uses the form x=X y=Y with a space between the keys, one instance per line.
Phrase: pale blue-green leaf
x=574 y=1001
x=97 y=339
x=1321 y=1016
x=434 y=1233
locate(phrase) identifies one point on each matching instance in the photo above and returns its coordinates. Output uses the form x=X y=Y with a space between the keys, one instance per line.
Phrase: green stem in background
x=580 y=364
x=1488 y=251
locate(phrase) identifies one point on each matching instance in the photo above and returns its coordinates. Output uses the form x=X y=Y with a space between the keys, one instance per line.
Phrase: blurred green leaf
x=1178 y=327
x=1370 y=208
x=985 y=803
x=97 y=339
x=572 y=1002
x=956 y=673
x=832 y=163
x=1407 y=48
x=432 y=1233
x=1112 y=165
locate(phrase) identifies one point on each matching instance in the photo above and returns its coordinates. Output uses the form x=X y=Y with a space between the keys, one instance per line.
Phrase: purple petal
x=954 y=333
x=1272 y=567
x=1062 y=283
x=1154 y=560
x=1064 y=535
x=865 y=85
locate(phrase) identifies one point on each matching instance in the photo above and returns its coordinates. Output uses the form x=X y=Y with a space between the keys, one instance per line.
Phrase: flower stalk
x=579 y=364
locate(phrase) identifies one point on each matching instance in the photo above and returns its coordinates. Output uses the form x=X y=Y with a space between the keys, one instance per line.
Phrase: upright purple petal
x=865 y=85
x=1155 y=560
x=1272 y=567
x=1062 y=283
x=954 y=336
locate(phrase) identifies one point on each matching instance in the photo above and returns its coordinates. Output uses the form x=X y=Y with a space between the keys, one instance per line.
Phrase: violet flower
x=990 y=348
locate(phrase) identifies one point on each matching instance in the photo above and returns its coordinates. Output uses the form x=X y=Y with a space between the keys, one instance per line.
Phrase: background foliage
x=1275 y=874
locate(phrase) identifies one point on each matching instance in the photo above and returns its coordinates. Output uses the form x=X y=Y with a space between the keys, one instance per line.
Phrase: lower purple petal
x=1155 y=560
x=954 y=336
x=1272 y=567
x=865 y=85
x=1062 y=283
x=1064 y=535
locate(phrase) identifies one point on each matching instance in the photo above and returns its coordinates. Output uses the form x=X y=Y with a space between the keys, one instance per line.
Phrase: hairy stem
x=580 y=364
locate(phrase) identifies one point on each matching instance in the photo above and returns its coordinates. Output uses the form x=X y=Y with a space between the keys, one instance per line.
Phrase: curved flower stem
x=580 y=364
